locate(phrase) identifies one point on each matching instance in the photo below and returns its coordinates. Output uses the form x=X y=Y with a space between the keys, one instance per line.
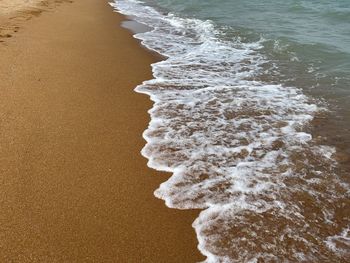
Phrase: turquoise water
x=251 y=117
x=325 y=23
x=315 y=33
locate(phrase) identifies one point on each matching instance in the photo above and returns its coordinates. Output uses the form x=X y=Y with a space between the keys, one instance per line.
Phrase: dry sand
x=11 y=6
x=14 y=12
x=73 y=186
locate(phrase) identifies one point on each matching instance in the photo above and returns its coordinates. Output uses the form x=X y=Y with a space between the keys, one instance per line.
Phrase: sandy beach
x=73 y=185
x=8 y=7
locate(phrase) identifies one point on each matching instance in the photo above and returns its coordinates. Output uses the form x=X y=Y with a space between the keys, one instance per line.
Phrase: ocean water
x=251 y=117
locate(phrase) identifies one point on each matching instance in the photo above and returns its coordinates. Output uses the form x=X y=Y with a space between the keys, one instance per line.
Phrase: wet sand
x=73 y=185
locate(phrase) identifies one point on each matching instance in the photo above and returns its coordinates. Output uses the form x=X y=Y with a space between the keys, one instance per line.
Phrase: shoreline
x=178 y=114
x=74 y=184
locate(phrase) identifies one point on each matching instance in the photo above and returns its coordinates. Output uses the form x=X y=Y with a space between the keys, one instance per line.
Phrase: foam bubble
x=236 y=146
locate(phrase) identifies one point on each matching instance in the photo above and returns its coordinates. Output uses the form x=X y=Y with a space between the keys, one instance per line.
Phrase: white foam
x=340 y=243
x=236 y=145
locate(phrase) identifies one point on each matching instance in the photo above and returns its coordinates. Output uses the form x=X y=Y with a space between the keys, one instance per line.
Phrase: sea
x=251 y=116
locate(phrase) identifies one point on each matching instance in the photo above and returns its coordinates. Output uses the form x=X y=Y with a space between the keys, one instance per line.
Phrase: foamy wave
x=340 y=243
x=236 y=146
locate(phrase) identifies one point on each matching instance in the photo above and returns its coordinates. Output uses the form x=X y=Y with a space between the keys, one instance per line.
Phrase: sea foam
x=237 y=147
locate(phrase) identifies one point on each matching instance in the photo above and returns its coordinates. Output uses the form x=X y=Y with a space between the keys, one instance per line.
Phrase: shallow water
x=246 y=109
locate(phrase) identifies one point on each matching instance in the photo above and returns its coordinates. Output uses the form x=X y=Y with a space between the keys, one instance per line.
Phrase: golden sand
x=73 y=185
x=11 y=6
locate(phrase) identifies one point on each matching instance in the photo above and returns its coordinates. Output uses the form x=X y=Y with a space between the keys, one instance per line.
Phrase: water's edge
x=232 y=203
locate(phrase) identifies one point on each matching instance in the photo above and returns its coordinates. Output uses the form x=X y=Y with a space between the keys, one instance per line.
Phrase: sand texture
x=73 y=185
x=11 y=6
x=14 y=14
